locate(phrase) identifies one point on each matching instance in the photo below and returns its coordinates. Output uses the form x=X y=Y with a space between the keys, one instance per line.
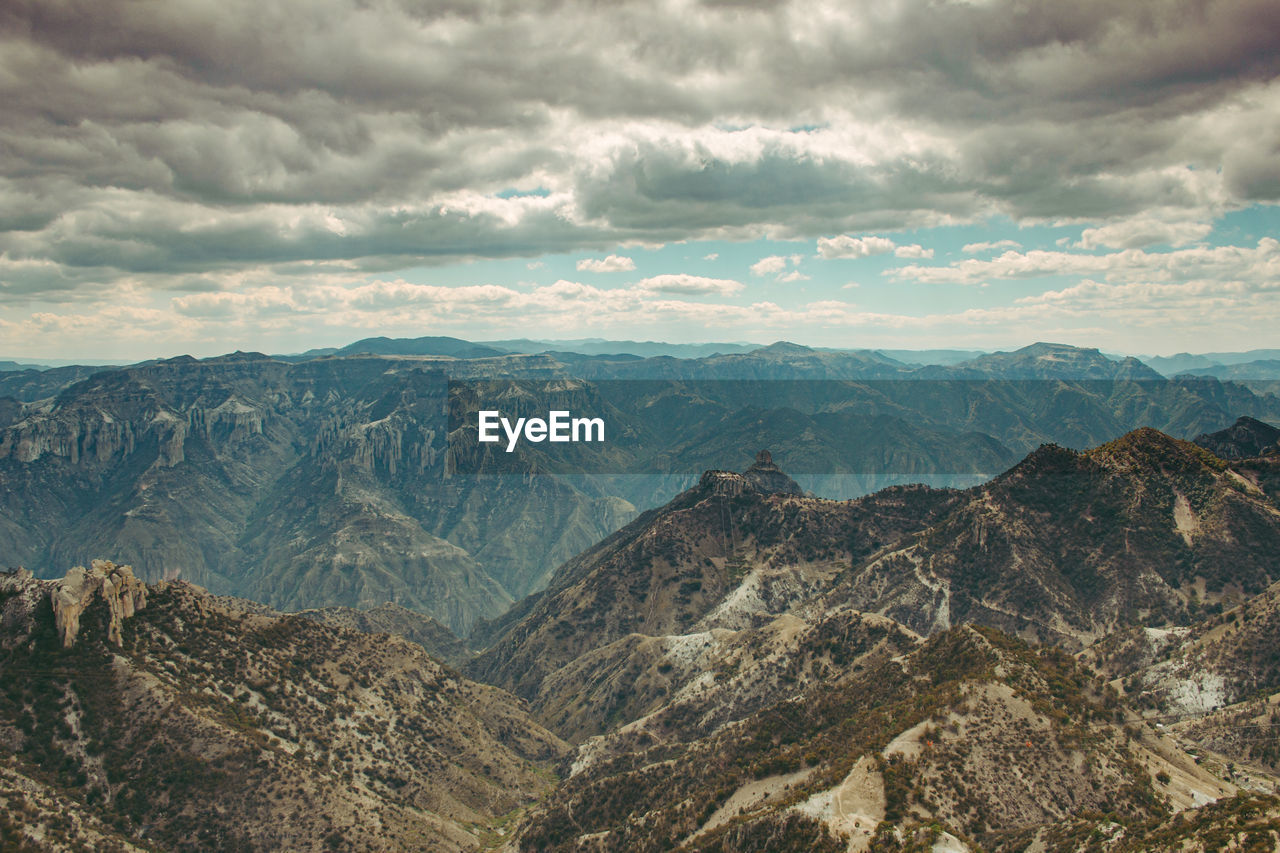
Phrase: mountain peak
x=1149 y=448
x=767 y=478
x=1245 y=438
x=786 y=347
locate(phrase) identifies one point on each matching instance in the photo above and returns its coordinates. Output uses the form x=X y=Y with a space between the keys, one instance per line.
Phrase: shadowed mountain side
x=1067 y=546
x=1247 y=437
x=439 y=641
x=671 y=567
x=281 y=481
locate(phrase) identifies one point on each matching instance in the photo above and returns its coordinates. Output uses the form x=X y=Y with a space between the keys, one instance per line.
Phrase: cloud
x=1222 y=263
x=845 y=246
x=711 y=257
x=794 y=275
x=769 y=265
x=1141 y=232
x=153 y=145
x=690 y=285
x=915 y=250
x=988 y=246
x=613 y=263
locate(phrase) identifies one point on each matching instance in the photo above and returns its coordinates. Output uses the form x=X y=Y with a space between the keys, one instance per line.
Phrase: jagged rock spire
x=767 y=478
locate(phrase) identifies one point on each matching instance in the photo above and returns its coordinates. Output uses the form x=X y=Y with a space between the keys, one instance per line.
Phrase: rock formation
x=768 y=478
x=123 y=593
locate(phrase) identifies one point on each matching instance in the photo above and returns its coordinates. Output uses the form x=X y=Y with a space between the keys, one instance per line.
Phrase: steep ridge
x=207 y=727
x=1246 y=438
x=1063 y=548
x=722 y=555
x=1068 y=546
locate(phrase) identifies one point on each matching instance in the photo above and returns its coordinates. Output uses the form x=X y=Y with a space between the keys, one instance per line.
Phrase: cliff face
x=313 y=484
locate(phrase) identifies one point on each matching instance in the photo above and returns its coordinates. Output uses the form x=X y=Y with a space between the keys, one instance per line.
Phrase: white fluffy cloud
x=770 y=265
x=915 y=250
x=845 y=246
x=775 y=265
x=613 y=263
x=1142 y=232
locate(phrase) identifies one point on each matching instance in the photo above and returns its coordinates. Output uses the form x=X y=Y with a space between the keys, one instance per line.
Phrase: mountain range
x=354 y=480
x=1080 y=652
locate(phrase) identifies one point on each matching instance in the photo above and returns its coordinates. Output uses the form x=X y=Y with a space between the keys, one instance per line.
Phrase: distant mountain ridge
x=338 y=481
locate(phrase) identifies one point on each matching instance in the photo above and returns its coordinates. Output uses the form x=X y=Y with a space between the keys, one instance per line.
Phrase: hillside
x=1067 y=546
x=746 y=667
x=161 y=712
x=910 y=749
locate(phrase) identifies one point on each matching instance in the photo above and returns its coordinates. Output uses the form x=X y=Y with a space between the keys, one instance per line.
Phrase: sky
x=200 y=176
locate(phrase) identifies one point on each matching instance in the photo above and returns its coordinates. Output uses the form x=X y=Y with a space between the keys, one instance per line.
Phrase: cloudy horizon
x=192 y=176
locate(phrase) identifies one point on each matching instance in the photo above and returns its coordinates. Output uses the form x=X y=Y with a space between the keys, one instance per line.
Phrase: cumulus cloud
x=990 y=246
x=690 y=285
x=770 y=265
x=613 y=263
x=845 y=246
x=775 y=265
x=1141 y=232
x=915 y=250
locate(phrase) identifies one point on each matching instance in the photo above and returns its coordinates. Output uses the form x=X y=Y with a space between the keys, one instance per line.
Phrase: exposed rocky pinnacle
x=71 y=596
x=768 y=479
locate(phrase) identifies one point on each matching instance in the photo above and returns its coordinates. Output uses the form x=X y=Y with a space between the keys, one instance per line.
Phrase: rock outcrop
x=123 y=593
x=768 y=478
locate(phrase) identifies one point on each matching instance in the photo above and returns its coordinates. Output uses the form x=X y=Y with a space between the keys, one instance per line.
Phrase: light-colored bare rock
x=117 y=586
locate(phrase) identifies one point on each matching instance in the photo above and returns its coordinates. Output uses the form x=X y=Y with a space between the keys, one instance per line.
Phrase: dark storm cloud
x=192 y=135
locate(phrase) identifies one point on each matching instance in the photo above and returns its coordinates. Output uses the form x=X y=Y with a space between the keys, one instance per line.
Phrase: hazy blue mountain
x=1267 y=369
x=341 y=481
x=600 y=346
